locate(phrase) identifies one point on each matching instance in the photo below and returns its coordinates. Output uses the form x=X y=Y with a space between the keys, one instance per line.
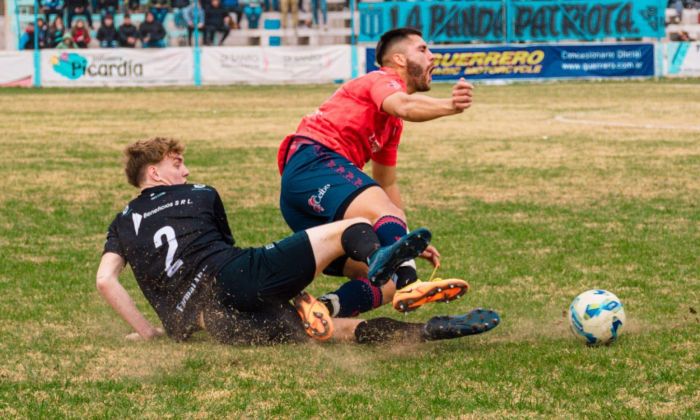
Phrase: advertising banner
x=554 y=20
x=453 y=21
x=275 y=65
x=539 y=61
x=683 y=59
x=117 y=67
x=16 y=68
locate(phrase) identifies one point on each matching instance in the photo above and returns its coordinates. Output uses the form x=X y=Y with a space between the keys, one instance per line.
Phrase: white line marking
x=563 y=119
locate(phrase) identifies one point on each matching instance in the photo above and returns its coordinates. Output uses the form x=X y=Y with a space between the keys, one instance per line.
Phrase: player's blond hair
x=148 y=152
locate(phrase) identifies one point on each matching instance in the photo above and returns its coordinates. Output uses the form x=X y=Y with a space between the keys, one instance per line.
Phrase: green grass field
x=534 y=195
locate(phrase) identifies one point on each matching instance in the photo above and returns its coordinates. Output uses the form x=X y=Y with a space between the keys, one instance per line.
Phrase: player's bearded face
x=420 y=74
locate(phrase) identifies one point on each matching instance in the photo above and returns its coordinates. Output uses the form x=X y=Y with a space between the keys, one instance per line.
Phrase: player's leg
x=388 y=220
x=274 y=324
x=317 y=186
x=381 y=330
x=356 y=239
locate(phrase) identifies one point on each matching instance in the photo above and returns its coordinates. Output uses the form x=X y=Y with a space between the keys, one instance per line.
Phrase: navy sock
x=353 y=298
x=389 y=230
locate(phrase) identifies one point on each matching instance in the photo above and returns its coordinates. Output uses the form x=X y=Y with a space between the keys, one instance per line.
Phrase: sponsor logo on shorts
x=315 y=200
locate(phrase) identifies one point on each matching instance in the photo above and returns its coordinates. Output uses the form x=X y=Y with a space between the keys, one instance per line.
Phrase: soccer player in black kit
x=176 y=238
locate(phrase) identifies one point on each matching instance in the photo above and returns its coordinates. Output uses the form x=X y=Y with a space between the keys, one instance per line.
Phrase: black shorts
x=267 y=276
x=252 y=293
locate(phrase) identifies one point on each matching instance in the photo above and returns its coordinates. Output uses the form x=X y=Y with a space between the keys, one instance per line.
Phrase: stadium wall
x=285 y=65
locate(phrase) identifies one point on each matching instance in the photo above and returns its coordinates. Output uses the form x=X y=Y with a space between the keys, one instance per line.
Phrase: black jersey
x=176 y=239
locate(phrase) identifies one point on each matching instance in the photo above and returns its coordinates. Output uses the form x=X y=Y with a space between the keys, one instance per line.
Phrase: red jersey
x=352 y=123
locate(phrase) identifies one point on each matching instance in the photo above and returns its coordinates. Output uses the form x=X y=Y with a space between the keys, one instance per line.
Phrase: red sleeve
x=384 y=86
x=387 y=155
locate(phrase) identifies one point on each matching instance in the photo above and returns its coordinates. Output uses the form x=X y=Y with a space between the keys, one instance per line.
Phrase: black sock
x=381 y=330
x=405 y=275
x=359 y=241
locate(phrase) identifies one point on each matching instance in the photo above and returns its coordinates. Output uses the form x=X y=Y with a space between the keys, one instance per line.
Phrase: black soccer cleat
x=386 y=260
x=475 y=322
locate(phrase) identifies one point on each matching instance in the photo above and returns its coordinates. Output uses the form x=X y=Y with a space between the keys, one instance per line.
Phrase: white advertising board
x=117 y=67
x=16 y=68
x=682 y=59
x=274 y=65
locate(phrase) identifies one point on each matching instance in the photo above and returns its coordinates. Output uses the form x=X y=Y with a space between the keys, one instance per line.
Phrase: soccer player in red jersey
x=322 y=178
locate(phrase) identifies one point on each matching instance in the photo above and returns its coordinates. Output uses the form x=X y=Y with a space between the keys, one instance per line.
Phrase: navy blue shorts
x=318 y=185
x=264 y=277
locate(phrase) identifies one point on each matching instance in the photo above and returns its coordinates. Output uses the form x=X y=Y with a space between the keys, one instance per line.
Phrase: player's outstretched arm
x=418 y=108
x=114 y=293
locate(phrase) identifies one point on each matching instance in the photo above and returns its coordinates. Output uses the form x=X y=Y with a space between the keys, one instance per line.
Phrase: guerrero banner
x=540 y=61
x=16 y=68
x=117 y=67
x=527 y=20
x=683 y=59
x=275 y=65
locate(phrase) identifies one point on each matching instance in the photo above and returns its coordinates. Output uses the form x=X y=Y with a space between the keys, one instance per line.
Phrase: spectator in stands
x=41 y=30
x=233 y=7
x=181 y=4
x=133 y=5
x=152 y=32
x=80 y=34
x=193 y=16
x=683 y=36
x=159 y=8
x=107 y=7
x=252 y=10
x=323 y=6
x=26 y=41
x=78 y=7
x=127 y=33
x=107 y=34
x=51 y=7
x=285 y=6
x=56 y=32
x=271 y=5
x=66 y=43
x=216 y=19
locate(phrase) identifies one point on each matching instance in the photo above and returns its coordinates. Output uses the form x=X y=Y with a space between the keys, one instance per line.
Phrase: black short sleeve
x=112 y=243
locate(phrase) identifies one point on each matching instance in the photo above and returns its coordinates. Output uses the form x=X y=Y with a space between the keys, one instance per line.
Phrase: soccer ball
x=596 y=317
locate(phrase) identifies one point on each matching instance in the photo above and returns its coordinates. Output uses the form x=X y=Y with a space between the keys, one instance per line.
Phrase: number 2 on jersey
x=169 y=233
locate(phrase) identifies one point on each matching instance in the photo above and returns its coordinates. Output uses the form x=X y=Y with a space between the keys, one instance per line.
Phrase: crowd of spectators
x=679 y=9
x=69 y=23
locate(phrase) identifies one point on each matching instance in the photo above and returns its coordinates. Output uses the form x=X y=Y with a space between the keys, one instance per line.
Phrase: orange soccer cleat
x=314 y=316
x=418 y=293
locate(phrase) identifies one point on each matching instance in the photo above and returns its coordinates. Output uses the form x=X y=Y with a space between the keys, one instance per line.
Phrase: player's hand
x=431 y=254
x=156 y=332
x=462 y=95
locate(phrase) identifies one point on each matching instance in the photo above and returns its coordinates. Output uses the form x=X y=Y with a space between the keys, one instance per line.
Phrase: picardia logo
x=74 y=66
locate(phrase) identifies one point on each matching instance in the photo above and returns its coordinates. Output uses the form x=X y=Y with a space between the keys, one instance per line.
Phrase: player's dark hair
x=390 y=38
x=147 y=152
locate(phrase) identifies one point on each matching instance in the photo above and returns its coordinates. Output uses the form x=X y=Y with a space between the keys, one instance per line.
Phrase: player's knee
x=394 y=212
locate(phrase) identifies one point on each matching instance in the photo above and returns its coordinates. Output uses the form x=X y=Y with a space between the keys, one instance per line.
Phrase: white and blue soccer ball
x=596 y=317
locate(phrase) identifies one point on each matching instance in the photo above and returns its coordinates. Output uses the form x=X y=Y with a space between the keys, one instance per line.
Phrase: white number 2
x=169 y=233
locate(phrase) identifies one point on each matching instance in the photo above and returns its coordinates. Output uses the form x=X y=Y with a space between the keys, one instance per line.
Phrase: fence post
x=353 y=41
x=37 y=52
x=197 y=51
